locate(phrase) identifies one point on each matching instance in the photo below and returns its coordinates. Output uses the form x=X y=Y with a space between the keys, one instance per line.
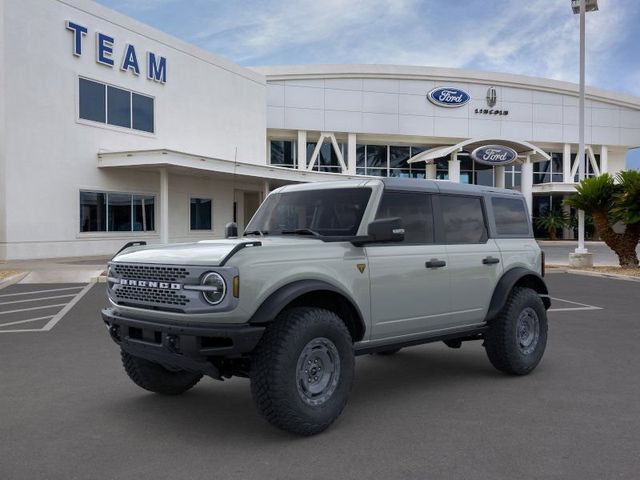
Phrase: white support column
x=527 y=183
x=265 y=189
x=498 y=176
x=302 y=150
x=604 y=159
x=164 y=206
x=454 y=168
x=567 y=177
x=432 y=171
x=351 y=153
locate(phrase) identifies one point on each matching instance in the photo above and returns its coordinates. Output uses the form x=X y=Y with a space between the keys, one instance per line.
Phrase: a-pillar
x=454 y=168
x=302 y=150
x=527 y=183
x=498 y=176
x=351 y=153
x=432 y=171
x=164 y=206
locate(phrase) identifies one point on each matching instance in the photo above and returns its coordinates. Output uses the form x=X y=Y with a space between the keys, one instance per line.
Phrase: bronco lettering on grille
x=150 y=284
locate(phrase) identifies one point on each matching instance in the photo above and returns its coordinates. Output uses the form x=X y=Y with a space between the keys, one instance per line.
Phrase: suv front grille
x=130 y=294
x=149 y=272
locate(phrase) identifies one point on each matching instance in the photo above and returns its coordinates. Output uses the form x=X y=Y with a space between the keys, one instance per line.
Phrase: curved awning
x=522 y=148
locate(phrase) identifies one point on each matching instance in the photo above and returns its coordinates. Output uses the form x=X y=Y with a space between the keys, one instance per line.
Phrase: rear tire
x=302 y=370
x=517 y=337
x=156 y=378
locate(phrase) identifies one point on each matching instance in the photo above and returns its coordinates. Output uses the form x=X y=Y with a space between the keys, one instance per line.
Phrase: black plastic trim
x=465 y=334
x=237 y=248
x=192 y=353
x=506 y=283
x=279 y=299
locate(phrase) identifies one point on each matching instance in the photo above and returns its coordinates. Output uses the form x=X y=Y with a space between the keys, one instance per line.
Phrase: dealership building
x=112 y=131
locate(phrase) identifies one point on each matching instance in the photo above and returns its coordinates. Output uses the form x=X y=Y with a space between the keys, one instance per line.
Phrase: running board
x=476 y=333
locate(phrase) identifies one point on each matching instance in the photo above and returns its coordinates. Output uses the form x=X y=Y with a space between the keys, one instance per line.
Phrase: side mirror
x=231 y=230
x=386 y=230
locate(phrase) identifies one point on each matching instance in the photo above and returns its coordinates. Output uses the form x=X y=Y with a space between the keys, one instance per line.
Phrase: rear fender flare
x=518 y=276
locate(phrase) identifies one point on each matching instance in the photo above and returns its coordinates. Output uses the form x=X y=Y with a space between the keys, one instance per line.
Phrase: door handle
x=435 y=263
x=490 y=260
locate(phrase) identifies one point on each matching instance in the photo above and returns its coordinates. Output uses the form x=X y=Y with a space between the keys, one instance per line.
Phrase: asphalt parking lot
x=69 y=412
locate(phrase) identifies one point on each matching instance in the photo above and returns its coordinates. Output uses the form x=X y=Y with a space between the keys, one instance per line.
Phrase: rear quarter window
x=511 y=216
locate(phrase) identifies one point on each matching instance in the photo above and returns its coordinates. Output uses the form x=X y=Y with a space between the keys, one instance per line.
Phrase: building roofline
x=412 y=72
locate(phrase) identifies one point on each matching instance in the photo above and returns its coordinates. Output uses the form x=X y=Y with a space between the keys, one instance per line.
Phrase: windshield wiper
x=301 y=231
x=256 y=232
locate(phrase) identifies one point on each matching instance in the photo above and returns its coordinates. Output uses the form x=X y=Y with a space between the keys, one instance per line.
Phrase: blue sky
x=530 y=37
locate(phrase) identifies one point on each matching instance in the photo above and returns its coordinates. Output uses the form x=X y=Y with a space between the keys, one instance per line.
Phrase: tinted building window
x=92 y=101
x=144 y=209
x=463 y=219
x=93 y=212
x=116 y=212
x=118 y=107
x=115 y=106
x=511 y=216
x=415 y=211
x=119 y=212
x=142 y=112
x=200 y=214
x=283 y=153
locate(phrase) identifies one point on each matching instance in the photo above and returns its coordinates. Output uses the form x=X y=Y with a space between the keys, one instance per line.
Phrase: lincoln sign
x=494 y=155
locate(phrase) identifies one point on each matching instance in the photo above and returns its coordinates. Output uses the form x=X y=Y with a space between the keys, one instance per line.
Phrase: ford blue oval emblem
x=494 y=155
x=448 y=97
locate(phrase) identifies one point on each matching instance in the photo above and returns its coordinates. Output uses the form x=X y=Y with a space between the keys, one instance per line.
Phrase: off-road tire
x=391 y=351
x=275 y=383
x=504 y=337
x=156 y=378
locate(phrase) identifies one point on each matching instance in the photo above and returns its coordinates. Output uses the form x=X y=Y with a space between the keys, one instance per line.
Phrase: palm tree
x=609 y=202
x=551 y=221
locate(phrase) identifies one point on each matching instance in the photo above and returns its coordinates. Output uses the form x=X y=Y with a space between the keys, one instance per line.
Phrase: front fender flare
x=282 y=297
x=517 y=276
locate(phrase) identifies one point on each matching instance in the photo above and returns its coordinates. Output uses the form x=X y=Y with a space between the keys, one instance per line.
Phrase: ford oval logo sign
x=494 y=155
x=448 y=97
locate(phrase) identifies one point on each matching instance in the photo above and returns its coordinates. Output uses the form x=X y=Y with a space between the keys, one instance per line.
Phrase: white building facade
x=111 y=131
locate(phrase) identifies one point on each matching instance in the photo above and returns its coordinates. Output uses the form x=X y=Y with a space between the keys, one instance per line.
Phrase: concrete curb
x=12 y=279
x=614 y=276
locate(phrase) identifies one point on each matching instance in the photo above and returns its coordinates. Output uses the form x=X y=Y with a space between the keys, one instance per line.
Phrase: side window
x=415 y=211
x=511 y=216
x=463 y=219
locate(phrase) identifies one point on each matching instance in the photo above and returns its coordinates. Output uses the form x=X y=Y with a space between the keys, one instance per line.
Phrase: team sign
x=156 y=64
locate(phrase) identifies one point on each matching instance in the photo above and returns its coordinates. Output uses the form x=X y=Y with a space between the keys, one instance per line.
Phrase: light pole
x=580 y=7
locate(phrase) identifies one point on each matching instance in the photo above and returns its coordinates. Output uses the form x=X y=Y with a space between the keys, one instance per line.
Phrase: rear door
x=474 y=258
x=409 y=280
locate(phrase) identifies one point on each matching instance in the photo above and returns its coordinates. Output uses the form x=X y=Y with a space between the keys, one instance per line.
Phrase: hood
x=206 y=252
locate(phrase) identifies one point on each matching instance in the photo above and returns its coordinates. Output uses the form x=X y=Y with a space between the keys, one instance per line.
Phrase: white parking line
x=41 y=291
x=25 y=321
x=581 y=306
x=33 y=308
x=38 y=299
x=51 y=323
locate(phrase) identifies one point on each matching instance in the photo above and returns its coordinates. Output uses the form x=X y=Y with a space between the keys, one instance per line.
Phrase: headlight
x=215 y=288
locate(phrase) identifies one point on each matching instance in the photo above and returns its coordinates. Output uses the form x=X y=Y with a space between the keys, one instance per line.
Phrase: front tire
x=302 y=370
x=156 y=378
x=517 y=337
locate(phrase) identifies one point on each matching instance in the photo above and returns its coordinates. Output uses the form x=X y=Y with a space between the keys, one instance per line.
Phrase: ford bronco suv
x=325 y=272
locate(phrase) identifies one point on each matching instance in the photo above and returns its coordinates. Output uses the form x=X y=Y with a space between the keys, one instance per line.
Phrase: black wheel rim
x=318 y=371
x=527 y=330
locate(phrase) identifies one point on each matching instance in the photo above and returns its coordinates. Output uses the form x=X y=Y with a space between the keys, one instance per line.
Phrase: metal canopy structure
x=523 y=149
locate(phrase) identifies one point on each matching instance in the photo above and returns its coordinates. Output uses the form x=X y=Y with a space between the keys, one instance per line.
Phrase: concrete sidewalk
x=58 y=270
x=557 y=252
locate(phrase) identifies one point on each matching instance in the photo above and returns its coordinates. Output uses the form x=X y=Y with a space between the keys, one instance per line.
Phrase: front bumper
x=181 y=346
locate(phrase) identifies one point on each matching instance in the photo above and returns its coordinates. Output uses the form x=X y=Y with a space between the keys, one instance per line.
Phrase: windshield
x=326 y=212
